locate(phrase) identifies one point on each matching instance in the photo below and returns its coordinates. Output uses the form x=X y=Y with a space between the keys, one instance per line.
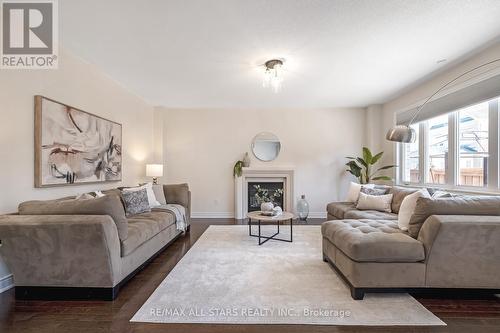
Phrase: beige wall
x=416 y=96
x=78 y=84
x=374 y=120
x=201 y=147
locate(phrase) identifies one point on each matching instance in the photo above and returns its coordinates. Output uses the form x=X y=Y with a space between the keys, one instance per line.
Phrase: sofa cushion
x=374 y=190
x=369 y=214
x=466 y=205
x=163 y=218
x=142 y=227
x=408 y=206
x=375 y=202
x=107 y=205
x=136 y=202
x=177 y=194
x=150 y=193
x=338 y=209
x=373 y=241
x=159 y=194
x=354 y=189
x=398 y=194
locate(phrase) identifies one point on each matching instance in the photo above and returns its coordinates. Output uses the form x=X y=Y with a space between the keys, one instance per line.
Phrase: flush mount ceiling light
x=273 y=74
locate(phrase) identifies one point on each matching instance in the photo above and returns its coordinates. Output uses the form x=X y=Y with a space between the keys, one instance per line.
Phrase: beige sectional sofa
x=452 y=246
x=88 y=255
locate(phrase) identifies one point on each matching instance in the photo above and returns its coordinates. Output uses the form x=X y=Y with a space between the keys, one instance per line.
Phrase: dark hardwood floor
x=99 y=316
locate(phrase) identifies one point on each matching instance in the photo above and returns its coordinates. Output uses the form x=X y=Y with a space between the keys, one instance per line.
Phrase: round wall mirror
x=266 y=146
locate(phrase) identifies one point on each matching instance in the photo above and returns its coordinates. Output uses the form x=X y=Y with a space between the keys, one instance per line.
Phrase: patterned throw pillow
x=373 y=191
x=136 y=202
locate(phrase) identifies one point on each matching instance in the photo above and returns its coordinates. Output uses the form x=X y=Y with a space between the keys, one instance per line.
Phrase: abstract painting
x=73 y=146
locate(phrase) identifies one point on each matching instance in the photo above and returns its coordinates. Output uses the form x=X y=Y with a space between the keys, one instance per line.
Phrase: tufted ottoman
x=372 y=253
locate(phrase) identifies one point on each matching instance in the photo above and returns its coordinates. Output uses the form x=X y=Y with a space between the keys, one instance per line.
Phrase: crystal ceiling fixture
x=273 y=76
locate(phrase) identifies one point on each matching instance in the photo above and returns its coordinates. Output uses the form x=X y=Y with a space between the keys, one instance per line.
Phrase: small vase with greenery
x=361 y=167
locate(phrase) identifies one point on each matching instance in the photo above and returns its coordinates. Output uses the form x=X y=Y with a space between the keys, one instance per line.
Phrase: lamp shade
x=154 y=170
x=401 y=133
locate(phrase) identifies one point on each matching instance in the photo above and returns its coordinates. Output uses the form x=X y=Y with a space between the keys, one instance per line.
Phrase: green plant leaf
x=362 y=162
x=238 y=169
x=352 y=172
x=382 y=178
x=367 y=155
x=354 y=169
x=353 y=163
x=350 y=157
x=387 y=167
x=377 y=157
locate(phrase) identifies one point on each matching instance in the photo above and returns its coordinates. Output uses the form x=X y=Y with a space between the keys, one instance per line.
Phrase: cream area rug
x=226 y=277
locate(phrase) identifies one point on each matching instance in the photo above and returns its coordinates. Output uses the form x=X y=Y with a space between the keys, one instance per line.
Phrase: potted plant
x=361 y=167
x=238 y=169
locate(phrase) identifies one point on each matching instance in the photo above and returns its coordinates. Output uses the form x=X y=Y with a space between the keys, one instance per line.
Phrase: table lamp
x=154 y=171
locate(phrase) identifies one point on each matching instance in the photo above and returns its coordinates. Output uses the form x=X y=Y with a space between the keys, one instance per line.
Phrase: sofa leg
x=188 y=229
x=357 y=293
x=325 y=258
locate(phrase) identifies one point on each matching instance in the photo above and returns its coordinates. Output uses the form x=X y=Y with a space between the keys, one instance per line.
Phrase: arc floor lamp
x=406 y=134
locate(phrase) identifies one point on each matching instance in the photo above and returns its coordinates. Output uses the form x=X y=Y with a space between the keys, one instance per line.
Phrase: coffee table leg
x=291 y=231
x=259 y=233
x=250 y=227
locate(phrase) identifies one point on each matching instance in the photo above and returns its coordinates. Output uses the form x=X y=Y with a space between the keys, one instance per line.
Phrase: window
x=473 y=140
x=453 y=149
x=412 y=160
x=437 y=149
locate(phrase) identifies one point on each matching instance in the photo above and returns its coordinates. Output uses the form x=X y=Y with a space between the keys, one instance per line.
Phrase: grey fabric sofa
x=84 y=256
x=451 y=253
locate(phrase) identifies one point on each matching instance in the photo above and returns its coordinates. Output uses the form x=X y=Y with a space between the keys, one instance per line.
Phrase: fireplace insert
x=271 y=188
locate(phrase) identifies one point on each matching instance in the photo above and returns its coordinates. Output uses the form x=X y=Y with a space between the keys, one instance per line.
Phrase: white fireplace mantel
x=285 y=174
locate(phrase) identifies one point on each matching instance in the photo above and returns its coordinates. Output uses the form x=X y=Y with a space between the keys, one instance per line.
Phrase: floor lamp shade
x=401 y=133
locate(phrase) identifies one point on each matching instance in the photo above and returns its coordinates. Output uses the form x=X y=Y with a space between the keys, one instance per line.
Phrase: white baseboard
x=212 y=215
x=6 y=283
x=230 y=215
x=317 y=215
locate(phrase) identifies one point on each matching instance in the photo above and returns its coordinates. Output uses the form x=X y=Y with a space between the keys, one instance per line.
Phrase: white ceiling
x=205 y=53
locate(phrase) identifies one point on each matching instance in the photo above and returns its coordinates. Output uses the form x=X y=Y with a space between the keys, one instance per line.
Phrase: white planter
x=266 y=206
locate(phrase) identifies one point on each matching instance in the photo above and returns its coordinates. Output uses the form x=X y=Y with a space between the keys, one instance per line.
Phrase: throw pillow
x=399 y=193
x=441 y=194
x=381 y=203
x=408 y=206
x=159 y=194
x=354 y=189
x=149 y=192
x=470 y=205
x=84 y=196
x=373 y=191
x=136 y=202
x=97 y=194
x=107 y=205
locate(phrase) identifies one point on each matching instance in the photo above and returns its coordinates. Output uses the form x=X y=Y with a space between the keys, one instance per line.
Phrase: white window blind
x=476 y=93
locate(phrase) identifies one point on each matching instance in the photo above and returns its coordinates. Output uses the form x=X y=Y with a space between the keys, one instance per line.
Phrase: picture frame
x=74 y=147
